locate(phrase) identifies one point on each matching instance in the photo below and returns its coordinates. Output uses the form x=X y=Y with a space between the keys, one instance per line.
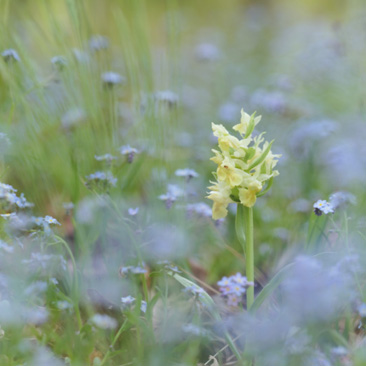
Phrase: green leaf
x=268 y=187
x=235 y=198
x=249 y=154
x=206 y=298
x=316 y=229
x=337 y=338
x=250 y=126
x=262 y=157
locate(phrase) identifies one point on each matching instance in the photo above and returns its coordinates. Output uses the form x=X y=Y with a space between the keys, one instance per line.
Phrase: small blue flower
x=104 y=321
x=240 y=280
x=129 y=151
x=10 y=55
x=201 y=209
x=98 y=42
x=128 y=300
x=9 y=216
x=225 y=281
x=143 y=306
x=106 y=157
x=168 y=97
x=237 y=289
x=59 y=62
x=132 y=269
x=186 y=173
x=101 y=180
x=207 y=52
x=194 y=290
x=172 y=268
x=38 y=221
x=233 y=288
x=50 y=220
x=133 y=211
x=233 y=300
x=322 y=207
x=111 y=78
x=171 y=196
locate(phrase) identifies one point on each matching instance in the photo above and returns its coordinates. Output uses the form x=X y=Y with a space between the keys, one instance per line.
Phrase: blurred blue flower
x=167 y=96
x=104 y=321
x=186 y=173
x=128 y=151
x=10 y=55
x=207 y=52
x=59 y=62
x=98 y=42
x=111 y=78
x=103 y=180
x=133 y=211
x=106 y=157
x=173 y=193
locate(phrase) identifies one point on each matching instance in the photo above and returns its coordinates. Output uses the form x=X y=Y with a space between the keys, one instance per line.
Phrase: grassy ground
x=65 y=289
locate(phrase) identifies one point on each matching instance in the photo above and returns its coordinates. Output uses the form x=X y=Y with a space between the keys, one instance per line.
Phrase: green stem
x=244 y=232
x=249 y=257
x=121 y=329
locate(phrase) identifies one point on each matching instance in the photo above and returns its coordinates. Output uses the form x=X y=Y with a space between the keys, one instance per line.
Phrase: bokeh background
x=180 y=66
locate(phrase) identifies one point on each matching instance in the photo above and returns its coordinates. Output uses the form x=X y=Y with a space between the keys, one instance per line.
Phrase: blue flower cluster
x=9 y=201
x=233 y=288
x=124 y=271
x=101 y=180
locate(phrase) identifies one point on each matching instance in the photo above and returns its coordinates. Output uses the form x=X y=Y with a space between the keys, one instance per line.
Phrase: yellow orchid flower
x=229 y=173
x=248 y=196
x=242 y=127
x=244 y=166
x=220 y=194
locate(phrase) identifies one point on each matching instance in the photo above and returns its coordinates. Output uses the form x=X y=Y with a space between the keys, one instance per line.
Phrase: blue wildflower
x=10 y=55
x=322 y=207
